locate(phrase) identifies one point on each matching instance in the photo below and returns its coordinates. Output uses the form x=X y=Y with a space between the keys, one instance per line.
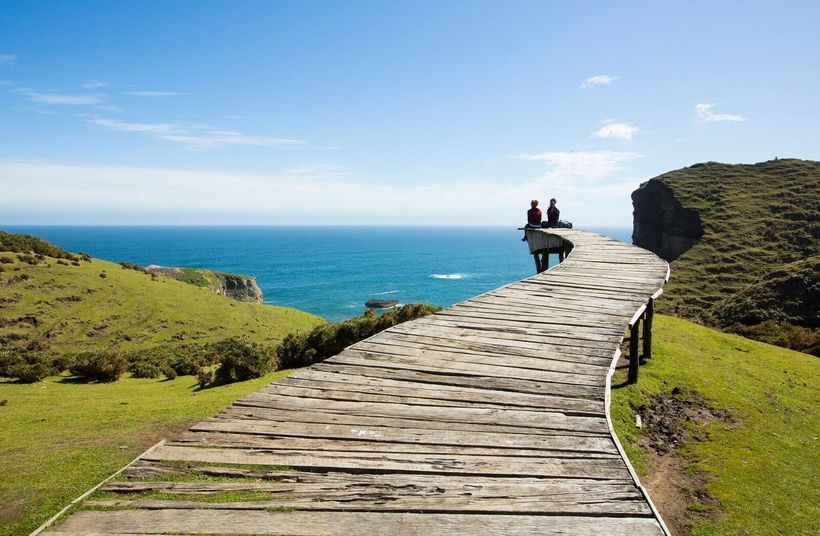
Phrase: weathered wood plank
x=272 y=443
x=599 y=468
x=598 y=443
x=176 y=521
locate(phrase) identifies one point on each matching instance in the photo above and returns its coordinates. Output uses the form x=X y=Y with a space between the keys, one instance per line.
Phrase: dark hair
x=553 y=200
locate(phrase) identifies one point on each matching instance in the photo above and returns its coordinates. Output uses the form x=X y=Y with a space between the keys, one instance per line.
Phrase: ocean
x=328 y=271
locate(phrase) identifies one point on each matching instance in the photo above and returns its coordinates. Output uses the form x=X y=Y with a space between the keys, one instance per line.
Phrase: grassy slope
x=60 y=438
x=755 y=217
x=766 y=467
x=128 y=310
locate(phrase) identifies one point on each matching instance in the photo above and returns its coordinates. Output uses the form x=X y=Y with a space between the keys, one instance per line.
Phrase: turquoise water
x=329 y=271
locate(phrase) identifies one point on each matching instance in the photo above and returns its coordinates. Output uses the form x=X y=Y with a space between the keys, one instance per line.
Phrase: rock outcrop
x=239 y=287
x=661 y=224
x=380 y=304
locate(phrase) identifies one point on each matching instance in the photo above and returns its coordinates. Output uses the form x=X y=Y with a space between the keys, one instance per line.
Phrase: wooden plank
x=502 y=417
x=550 y=350
x=89 y=523
x=465 y=380
x=357 y=357
x=272 y=443
x=380 y=346
x=434 y=503
x=403 y=462
x=599 y=443
x=440 y=392
x=549 y=423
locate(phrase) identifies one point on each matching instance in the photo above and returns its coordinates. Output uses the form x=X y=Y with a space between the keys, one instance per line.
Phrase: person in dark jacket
x=533 y=217
x=553 y=213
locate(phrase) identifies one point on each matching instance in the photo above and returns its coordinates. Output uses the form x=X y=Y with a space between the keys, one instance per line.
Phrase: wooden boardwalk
x=490 y=417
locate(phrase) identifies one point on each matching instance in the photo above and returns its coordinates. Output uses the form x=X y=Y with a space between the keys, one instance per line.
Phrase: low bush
x=6 y=260
x=240 y=361
x=104 y=366
x=133 y=266
x=205 y=377
x=28 y=367
x=22 y=243
x=302 y=349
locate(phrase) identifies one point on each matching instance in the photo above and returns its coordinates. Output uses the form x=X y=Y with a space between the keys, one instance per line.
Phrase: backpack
x=564 y=224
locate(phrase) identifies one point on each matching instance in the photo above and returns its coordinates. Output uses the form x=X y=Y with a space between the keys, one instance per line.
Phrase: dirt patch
x=677 y=487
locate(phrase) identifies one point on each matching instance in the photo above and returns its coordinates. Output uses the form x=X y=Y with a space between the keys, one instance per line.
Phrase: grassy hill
x=728 y=443
x=73 y=304
x=756 y=219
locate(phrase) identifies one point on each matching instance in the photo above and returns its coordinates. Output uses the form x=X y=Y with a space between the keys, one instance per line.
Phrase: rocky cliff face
x=661 y=224
x=239 y=287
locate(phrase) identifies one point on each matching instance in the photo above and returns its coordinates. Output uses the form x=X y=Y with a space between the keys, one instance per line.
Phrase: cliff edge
x=741 y=239
x=239 y=287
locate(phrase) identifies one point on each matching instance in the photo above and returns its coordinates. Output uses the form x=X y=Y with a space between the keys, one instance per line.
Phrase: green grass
x=75 y=309
x=766 y=466
x=60 y=438
x=756 y=219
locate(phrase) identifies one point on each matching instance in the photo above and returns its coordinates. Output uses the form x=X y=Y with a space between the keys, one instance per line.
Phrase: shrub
x=145 y=369
x=301 y=349
x=133 y=266
x=204 y=377
x=63 y=362
x=103 y=275
x=240 y=361
x=28 y=367
x=6 y=260
x=61 y=262
x=22 y=243
x=104 y=366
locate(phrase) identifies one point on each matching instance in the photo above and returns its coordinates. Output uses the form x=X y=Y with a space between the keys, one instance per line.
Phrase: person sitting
x=533 y=218
x=552 y=214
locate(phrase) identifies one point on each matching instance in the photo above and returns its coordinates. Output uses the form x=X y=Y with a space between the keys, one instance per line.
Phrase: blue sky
x=387 y=112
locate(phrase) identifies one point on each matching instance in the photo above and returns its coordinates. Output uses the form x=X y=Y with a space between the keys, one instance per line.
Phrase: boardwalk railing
x=490 y=417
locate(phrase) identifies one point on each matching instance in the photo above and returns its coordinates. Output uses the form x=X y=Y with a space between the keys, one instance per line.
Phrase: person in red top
x=534 y=214
x=533 y=217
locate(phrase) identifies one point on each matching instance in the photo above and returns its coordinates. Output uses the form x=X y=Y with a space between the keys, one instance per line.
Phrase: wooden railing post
x=647 y=329
x=545 y=260
x=634 y=333
x=537 y=257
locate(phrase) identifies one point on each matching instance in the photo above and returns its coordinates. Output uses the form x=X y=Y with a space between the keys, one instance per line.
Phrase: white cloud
x=94 y=84
x=154 y=93
x=599 y=80
x=8 y=59
x=581 y=165
x=704 y=112
x=618 y=131
x=583 y=183
x=61 y=98
x=194 y=136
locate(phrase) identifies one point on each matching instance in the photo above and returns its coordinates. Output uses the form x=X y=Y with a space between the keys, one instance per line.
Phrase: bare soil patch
x=677 y=487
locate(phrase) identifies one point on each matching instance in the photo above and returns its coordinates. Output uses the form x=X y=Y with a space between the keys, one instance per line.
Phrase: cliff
x=239 y=287
x=661 y=223
x=732 y=234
